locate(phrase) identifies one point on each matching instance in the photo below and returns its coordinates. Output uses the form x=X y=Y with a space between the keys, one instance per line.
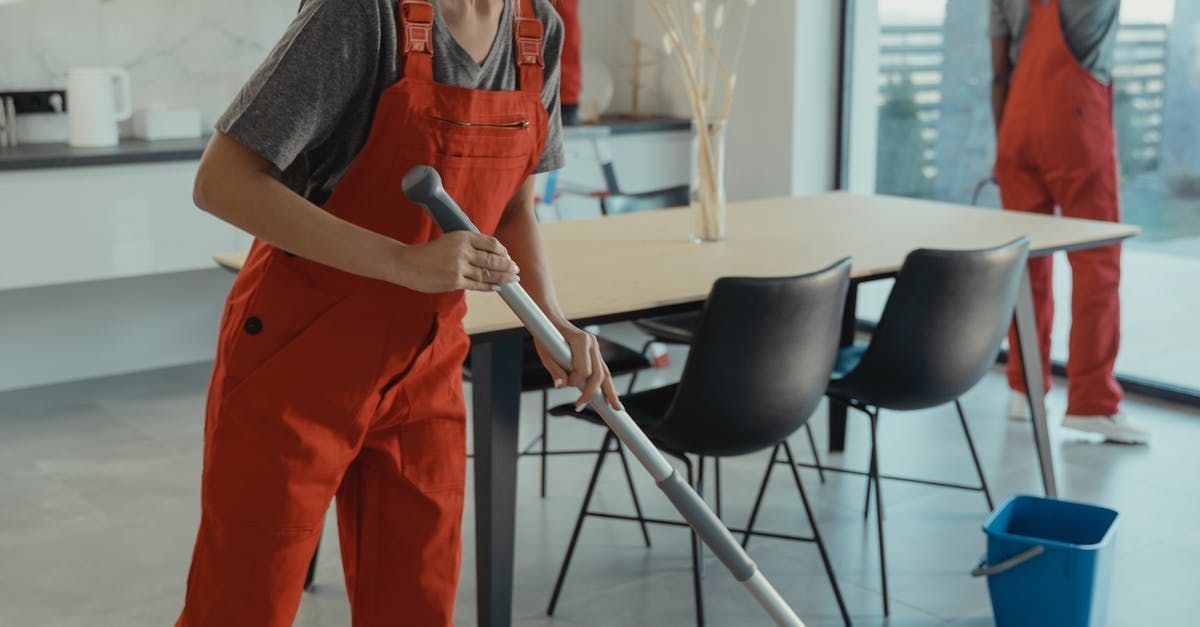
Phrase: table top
x=646 y=261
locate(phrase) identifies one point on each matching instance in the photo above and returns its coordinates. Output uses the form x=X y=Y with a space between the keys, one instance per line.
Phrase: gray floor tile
x=99 y=482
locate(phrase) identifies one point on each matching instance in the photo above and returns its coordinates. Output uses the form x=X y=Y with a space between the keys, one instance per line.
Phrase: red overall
x=571 y=81
x=1057 y=148
x=328 y=383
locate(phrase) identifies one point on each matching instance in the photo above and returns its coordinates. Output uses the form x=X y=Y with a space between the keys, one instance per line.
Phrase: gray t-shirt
x=308 y=107
x=1089 y=27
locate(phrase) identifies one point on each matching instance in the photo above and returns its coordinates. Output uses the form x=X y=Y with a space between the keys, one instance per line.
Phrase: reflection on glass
x=936 y=140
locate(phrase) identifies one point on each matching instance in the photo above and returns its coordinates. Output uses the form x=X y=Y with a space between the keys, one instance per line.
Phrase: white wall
x=783 y=128
x=186 y=53
x=98 y=328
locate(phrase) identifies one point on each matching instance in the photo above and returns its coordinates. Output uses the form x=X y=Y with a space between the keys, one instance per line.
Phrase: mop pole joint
x=714 y=533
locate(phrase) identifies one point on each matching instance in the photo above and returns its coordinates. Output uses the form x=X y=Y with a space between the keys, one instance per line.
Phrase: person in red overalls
x=338 y=369
x=572 y=63
x=1052 y=99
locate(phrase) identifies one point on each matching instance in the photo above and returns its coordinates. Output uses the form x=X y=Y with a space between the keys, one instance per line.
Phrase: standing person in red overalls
x=338 y=368
x=1052 y=99
x=572 y=61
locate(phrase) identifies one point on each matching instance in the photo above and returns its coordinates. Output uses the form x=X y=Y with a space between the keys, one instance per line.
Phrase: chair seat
x=675 y=329
x=620 y=359
x=646 y=407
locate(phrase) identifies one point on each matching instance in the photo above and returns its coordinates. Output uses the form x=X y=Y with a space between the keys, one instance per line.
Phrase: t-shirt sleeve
x=293 y=101
x=552 y=44
x=998 y=25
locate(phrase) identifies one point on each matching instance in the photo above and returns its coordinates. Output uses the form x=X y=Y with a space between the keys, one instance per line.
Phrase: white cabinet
x=67 y=225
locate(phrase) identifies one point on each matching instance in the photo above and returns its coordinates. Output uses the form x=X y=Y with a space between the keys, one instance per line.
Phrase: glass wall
x=936 y=140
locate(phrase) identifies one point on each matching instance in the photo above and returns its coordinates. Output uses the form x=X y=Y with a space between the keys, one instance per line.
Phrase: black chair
x=758 y=367
x=939 y=334
x=617 y=203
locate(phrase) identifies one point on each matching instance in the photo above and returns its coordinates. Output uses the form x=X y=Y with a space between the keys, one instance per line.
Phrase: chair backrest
x=941 y=329
x=614 y=204
x=759 y=363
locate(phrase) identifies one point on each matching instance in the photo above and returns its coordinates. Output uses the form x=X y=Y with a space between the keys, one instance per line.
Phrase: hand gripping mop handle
x=423 y=185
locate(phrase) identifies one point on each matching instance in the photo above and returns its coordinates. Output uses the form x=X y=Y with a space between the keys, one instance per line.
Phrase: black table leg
x=496 y=399
x=837 y=411
x=1031 y=362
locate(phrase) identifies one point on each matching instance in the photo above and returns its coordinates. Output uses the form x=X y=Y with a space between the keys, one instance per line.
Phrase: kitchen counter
x=617 y=125
x=132 y=151
x=41 y=156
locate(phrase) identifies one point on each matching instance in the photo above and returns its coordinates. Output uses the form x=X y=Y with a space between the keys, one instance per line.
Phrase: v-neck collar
x=476 y=68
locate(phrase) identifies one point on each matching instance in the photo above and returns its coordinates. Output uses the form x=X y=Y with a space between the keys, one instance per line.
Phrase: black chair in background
x=758 y=367
x=676 y=329
x=939 y=334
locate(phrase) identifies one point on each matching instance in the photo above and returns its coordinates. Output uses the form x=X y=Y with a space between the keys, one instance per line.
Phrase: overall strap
x=416 y=34
x=527 y=29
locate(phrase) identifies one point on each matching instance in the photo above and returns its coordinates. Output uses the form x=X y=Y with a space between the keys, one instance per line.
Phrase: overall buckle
x=417 y=17
x=529 y=42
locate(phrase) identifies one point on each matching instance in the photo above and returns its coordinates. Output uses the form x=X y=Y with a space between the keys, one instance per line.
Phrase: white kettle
x=97 y=98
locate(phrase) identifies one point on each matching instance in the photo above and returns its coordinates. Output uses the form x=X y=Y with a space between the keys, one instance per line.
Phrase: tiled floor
x=99 y=488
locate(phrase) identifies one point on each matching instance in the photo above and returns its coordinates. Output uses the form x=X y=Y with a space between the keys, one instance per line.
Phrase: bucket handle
x=982 y=569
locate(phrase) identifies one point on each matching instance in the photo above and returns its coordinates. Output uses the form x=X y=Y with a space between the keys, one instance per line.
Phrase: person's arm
x=1001 y=75
x=237 y=185
x=518 y=229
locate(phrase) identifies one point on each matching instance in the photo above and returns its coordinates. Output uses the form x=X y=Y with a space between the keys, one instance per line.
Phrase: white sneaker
x=1018 y=407
x=1114 y=428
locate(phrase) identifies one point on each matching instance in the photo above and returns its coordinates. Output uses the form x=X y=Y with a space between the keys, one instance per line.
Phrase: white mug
x=97 y=98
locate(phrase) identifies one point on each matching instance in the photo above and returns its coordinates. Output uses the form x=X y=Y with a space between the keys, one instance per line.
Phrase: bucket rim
x=1008 y=502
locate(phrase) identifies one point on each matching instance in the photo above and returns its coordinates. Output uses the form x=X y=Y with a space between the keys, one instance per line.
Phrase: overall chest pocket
x=482 y=136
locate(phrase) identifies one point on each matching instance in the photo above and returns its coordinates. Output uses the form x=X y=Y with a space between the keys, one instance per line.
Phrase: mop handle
x=423 y=186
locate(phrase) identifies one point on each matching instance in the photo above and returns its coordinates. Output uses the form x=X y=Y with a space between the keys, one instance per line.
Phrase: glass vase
x=708 y=181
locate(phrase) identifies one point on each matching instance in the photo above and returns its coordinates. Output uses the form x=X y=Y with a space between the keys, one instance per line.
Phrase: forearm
x=244 y=192
x=518 y=231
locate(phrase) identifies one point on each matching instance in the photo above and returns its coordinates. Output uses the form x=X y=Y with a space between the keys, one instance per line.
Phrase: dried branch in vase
x=696 y=33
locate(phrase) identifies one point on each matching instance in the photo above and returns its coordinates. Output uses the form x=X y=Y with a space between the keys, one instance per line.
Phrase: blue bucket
x=1048 y=562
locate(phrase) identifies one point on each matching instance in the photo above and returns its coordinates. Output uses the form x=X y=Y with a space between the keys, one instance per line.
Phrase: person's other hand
x=588 y=372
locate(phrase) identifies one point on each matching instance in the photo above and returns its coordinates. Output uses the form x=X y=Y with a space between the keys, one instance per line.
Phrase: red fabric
x=572 y=66
x=327 y=383
x=1057 y=149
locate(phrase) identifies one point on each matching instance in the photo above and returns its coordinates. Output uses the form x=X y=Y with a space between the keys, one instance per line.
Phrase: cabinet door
x=82 y=224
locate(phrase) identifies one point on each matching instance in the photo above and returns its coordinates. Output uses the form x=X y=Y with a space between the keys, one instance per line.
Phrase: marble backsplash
x=181 y=53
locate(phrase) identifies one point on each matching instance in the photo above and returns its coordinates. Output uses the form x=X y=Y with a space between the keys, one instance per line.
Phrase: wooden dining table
x=630 y=266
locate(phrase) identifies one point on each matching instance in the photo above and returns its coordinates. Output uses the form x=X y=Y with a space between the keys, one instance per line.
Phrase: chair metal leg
x=700 y=490
x=633 y=377
x=717 y=483
x=812 y=521
x=637 y=505
x=870 y=484
x=879 y=509
x=312 y=565
x=962 y=419
x=583 y=509
x=697 y=562
x=762 y=489
x=545 y=436
x=812 y=445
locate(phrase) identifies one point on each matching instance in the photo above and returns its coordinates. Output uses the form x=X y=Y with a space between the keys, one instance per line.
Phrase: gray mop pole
x=423 y=185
